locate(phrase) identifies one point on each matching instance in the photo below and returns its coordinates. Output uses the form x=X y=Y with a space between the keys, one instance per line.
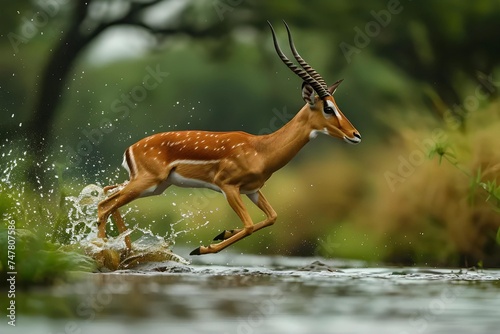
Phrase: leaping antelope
x=232 y=163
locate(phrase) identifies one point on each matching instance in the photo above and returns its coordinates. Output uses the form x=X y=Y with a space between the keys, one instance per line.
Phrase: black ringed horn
x=322 y=92
x=312 y=72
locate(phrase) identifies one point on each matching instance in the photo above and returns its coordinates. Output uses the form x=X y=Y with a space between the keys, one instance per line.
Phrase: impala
x=232 y=163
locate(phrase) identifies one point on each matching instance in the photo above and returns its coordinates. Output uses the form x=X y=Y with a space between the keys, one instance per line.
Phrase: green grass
x=36 y=261
x=490 y=187
x=26 y=243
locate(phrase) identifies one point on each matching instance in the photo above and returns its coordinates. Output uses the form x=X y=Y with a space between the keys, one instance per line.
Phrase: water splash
x=112 y=253
x=82 y=214
x=70 y=222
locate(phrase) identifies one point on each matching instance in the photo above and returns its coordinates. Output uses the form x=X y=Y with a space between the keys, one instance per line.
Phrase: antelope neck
x=282 y=145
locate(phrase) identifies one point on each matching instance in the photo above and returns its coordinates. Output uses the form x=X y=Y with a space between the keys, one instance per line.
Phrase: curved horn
x=322 y=92
x=312 y=72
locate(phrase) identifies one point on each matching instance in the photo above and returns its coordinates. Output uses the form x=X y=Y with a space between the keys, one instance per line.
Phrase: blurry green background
x=420 y=77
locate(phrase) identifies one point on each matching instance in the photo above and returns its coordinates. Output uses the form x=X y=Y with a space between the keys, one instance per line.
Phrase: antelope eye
x=328 y=110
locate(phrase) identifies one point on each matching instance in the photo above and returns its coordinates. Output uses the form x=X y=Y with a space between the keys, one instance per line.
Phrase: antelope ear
x=333 y=87
x=308 y=93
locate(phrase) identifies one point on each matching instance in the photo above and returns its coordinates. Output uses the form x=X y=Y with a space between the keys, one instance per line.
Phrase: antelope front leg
x=234 y=199
x=259 y=200
x=110 y=205
x=121 y=227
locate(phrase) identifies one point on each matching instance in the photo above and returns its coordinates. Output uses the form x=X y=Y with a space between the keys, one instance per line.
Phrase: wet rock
x=112 y=254
x=318 y=266
x=107 y=259
x=164 y=267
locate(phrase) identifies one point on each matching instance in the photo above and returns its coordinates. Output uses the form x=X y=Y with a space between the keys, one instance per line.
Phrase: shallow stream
x=233 y=293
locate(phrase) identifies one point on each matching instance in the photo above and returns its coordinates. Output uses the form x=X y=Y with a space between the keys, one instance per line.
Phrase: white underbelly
x=184 y=182
x=177 y=179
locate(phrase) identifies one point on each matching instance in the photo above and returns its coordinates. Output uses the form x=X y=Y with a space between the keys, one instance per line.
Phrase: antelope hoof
x=203 y=250
x=226 y=234
x=196 y=251
x=221 y=236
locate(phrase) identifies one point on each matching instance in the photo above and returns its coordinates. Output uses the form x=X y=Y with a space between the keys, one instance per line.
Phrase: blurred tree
x=88 y=20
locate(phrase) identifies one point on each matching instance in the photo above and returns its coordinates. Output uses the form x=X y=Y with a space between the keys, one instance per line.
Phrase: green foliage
x=477 y=181
x=28 y=242
x=443 y=150
x=37 y=261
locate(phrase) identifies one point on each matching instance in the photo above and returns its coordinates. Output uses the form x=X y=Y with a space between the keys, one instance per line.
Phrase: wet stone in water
x=318 y=266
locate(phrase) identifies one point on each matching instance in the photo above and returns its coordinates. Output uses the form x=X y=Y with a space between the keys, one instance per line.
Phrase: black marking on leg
x=226 y=234
x=221 y=235
x=196 y=251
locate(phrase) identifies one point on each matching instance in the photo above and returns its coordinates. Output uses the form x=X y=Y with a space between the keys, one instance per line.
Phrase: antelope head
x=325 y=116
